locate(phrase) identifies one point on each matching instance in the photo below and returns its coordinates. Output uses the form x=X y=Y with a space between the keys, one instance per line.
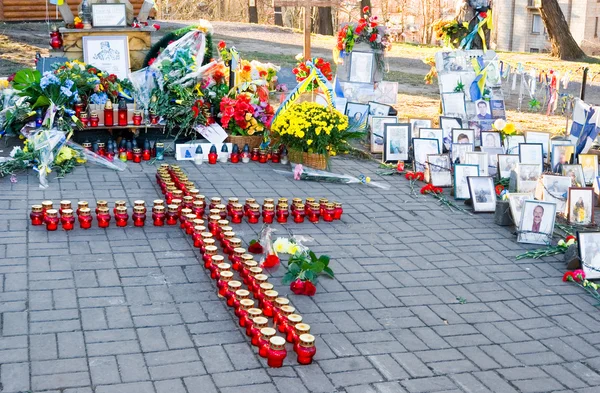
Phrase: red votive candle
x=306 y=349
x=52 y=220
x=36 y=215
x=85 y=218
x=67 y=220
x=276 y=353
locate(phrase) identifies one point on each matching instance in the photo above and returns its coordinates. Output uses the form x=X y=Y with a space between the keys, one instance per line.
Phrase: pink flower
x=298 y=171
x=578 y=275
x=13 y=178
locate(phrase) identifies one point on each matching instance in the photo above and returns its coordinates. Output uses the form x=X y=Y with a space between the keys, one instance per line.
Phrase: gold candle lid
x=229 y=235
x=139 y=203
x=176 y=202
x=65 y=204
x=139 y=209
x=211 y=250
x=200 y=198
x=85 y=211
x=188 y=199
x=261 y=278
x=103 y=210
x=199 y=229
x=214 y=212
x=209 y=242
x=267 y=332
x=338 y=204
x=249 y=264
x=223 y=266
x=242 y=294
x=277 y=343
x=282 y=206
x=302 y=328
x=47 y=204
x=254 y=312
x=194 y=192
x=67 y=213
x=83 y=204
x=307 y=340
x=254 y=207
x=296 y=201
x=265 y=286
x=36 y=208
x=121 y=209
x=198 y=204
x=323 y=200
x=250 y=201
x=282 y=200
x=247 y=258
x=268 y=201
x=271 y=295
x=221 y=207
x=215 y=200
x=234 y=285
x=178 y=194
x=246 y=303
x=172 y=208
x=329 y=205
x=287 y=310
x=223 y=223
x=281 y=301
x=239 y=251
x=190 y=185
x=215 y=218
x=237 y=206
x=260 y=322
x=190 y=217
x=255 y=270
x=233 y=200
x=310 y=200
x=159 y=209
x=294 y=318
x=186 y=211
x=120 y=203
x=52 y=213
x=235 y=243
x=227 y=229
x=206 y=235
x=164 y=166
x=226 y=275
x=269 y=207
x=198 y=222
x=217 y=259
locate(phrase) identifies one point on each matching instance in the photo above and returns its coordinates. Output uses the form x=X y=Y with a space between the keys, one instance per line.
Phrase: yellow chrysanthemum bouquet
x=312 y=128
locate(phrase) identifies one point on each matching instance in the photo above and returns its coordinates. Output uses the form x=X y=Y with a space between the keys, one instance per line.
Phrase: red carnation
x=112 y=78
x=270 y=261
x=365 y=9
x=309 y=288
x=222 y=45
x=420 y=176
x=499 y=189
x=373 y=24
x=568 y=276
x=570 y=237
x=247 y=68
x=373 y=37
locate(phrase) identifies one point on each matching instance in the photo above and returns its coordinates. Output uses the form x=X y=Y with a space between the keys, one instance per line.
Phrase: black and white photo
x=490 y=139
x=480 y=159
x=396 y=141
x=483 y=194
x=516 y=202
x=506 y=164
x=562 y=155
x=377 y=127
x=589 y=165
x=417 y=124
x=531 y=153
x=461 y=173
x=528 y=176
x=422 y=148
x=440 y=172
x=575 y=173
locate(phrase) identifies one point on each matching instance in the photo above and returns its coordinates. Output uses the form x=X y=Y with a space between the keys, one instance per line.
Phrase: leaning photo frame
x=362 y=66
x=461 y=173
x=537 y=222
x=107 y=53
x=482 y=193
x=396 y=142
x=588 y=243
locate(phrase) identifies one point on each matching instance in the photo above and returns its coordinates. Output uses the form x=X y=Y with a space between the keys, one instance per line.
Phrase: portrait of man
x=537 y=223
x=483 y=111
x=106 y=53
x=463 y=138
x=538 y=214
x=562 y=160
x=490 y=141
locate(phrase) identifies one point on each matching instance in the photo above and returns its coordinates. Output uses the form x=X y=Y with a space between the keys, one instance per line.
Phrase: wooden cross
x=306 y=4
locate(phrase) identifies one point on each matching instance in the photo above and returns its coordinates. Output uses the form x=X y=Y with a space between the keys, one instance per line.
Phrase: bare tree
x=563 y=44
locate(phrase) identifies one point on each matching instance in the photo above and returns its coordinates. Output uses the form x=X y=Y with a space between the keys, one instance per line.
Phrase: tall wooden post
x=307 y=27
x=252 y=11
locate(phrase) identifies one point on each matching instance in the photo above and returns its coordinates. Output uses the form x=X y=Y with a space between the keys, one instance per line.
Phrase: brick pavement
x=132 y=311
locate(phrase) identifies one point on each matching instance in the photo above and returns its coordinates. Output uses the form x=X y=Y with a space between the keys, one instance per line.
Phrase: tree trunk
x=323 y=22
x=563 y=44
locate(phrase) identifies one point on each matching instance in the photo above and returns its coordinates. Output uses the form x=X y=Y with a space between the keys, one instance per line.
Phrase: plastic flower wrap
x=270 y=254
x=143 y=81
x=301 y=172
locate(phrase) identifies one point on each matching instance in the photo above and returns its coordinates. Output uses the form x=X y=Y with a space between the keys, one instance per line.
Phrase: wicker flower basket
x=253 y=141
x=311 y=160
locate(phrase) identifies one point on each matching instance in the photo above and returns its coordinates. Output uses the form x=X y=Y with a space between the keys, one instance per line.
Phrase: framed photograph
x=463 y=135
x=589 y=164
x=362 y=65
x=417 y=124
x=537 y=222
x=483 y=194
x=531 y=153
x=506 y=164
x=556 y=189
x=378 y=109
x=447 y=124
x=107 y=53
x=562 y=155
x=575 y=173
x=357 y=113
x=109 y=15
x=459 y=150
x=422 y=147
x=396 y=142
x=377 y=129
x=491 y=139
x=516 y=202
x=528 y=176
x=497 y=108
x=461 y=173
x=340 y=104
x=581 y=206
x=431 y=133
x=493 y=153
x=476 y=127
x=440 y=172
x=589 y=252
x=454 y=104
x=480 y=159
x=539 y=137
x=512 y=143
x=482 y=110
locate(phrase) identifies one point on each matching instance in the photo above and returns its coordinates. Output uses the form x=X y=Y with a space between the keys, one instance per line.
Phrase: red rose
x=270 y=261
x=568 y=276
x=298 y=287
x=255 y=247
x=499 y=189
x=11 y=78
x=309 y=288
x=222 y=45
x=112 y=78
x=373 y=37
x=365 y=9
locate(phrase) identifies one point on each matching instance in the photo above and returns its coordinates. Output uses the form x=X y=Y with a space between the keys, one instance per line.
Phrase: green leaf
x=318 y=267
x=41 y=101
x=306 y=266
x=288 y=278
x=328 y=271
x=294 y=269
x=25 y=78
x=253 y=241
x=310 y=275
x=312 y=255
x=324 y=259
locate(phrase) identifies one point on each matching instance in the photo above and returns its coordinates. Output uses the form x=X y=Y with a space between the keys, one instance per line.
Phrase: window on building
x=537 y=25
x=534 y=50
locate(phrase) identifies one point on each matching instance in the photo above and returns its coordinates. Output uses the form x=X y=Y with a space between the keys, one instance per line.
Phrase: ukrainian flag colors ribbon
x=478 y=30
x=302 y=87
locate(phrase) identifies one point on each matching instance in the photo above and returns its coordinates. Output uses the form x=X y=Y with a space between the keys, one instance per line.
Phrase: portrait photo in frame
x=440 y=172
x=396 y=142
x=480 y=159
x=107 y=53
x=493 y=153
x=447 y=123
x=589 y=165
x=377 y=128
x=531 y=153
x=575 y=172
x=516 y=201
x=506 y=164
x=422 y=147
x=109 y=15
x=539 y=137
x=463 y=135
x=537 y=222
x=562 y=155
x=358 y=114
x=556 y=189
x=581 y=206
x=491 y=139
x=528 y=176
x=362 y=66
x=461 y=173
x=483 y=194
x=459 y=151
x=588 y=244
x=512 y=143
x=417 y=124
x=454 y=104
x=431 y=133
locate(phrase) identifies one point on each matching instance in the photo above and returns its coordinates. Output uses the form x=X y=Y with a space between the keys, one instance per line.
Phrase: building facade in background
x=519 y=27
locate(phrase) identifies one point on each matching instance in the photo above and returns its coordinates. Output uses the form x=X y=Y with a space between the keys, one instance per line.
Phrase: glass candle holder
x=278 y=313
x=313 y=213
x=236 y=258
x=254 y=213
x=268 y=213
x=301 y=328
x=232 y=287
x=85 y=119
x=295 y=203
x=253 y=271
x=46 y=205
x=338 y=211
x=252 y=313
x=282 y=213
x=248 y=263
x=263 y=286
x=139 y=216
x=233 y=244
x=328 y=213
x=154 y=118
x=64 y=205
x=298 y=214
x=254 y=156
x=245 y=305
x=121 y=216
x=109 y=114
x=158 y=216
x=137 y=155
x=119 y=204
x=178 y=194
x=240 y=295
x=213 y=224
x=188 y=203
x=197 y=236
x=275 y=157
x=235 y=157
x=259 y=279
x=290 y=330
x=198 y=208
x=307 y=203
x=245 y=156
x=216 y=261
x=52 y=220
x=282 y=201
x=258 y=323
x=230 y=202
x=227 y=236
x=223 y=282
x=172 y=215
x=160 y=150
x=158 y=202
x=283 y=321
x=100 y=205
x=306 y=349
x=36 y=215
x=323 y=205
x=262 y=157
x=94 y=119
x=212 y=158
x=102 y=149
x=183 y=218
x=122 y=113
x=85 y=218
x=67 y=220
x=81 y=205
x=137 y=118
x=237 y=213
x=209 y=253
x=263 y=342
x=103 y=217
x=214 y=201
x=268 y=304
x=276 y=353
x=222 y=210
